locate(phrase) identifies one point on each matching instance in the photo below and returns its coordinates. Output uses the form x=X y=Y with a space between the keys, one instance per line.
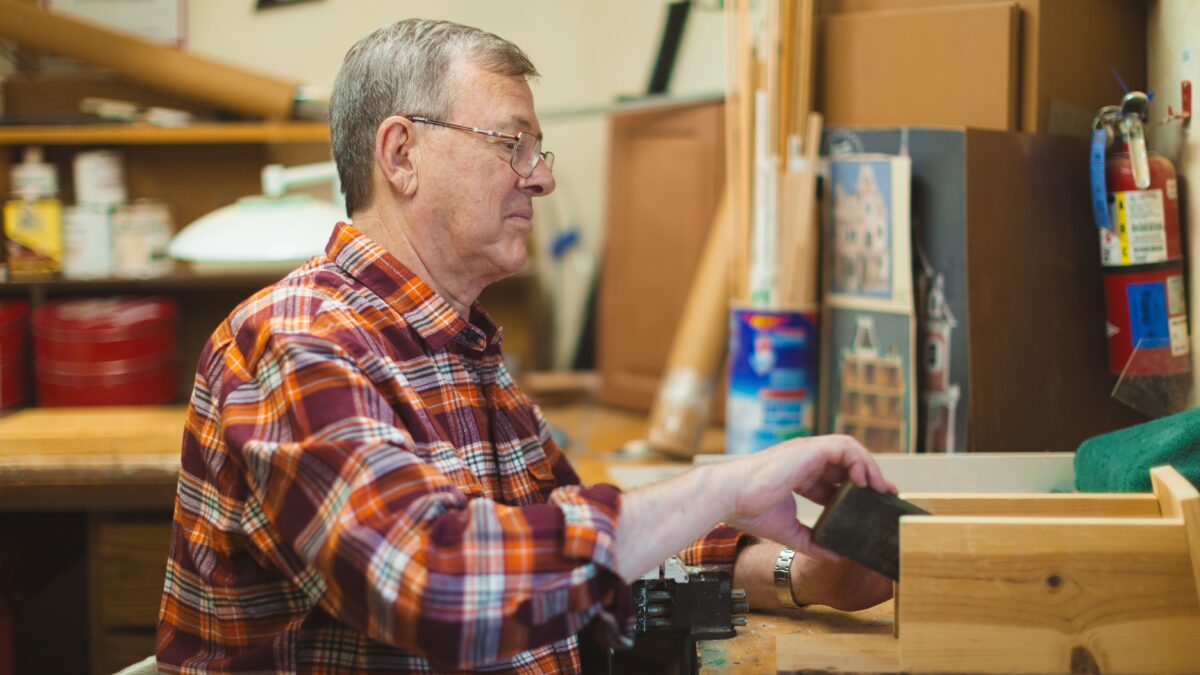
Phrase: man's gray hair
x=404 y=69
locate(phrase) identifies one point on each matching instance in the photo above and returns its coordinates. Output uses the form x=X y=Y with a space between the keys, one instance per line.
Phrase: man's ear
x=394 y=154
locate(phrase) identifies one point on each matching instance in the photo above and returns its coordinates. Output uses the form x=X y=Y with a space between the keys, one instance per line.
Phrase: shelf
x=146 y=134
x=182 y=279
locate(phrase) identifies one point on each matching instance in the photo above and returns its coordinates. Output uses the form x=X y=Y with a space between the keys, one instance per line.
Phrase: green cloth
x=1120 y=461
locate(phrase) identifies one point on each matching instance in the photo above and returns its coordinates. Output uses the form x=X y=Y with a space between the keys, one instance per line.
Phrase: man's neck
x=392 y=232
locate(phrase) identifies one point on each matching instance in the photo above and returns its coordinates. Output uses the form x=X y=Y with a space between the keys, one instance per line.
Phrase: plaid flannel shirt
x=364 y=488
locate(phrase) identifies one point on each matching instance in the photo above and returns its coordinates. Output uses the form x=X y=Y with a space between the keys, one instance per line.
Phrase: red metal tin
x=104 y=329
x=140 y=381
x=12 y=383
x=12 y=352
x=1146 y=308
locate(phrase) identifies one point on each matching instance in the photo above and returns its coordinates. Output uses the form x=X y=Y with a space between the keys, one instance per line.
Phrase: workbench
x=85 y=510
x=816 y=639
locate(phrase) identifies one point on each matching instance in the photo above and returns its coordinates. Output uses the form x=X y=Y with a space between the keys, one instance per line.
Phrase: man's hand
x=842 y=584
x=760 y=486
x=752 y=493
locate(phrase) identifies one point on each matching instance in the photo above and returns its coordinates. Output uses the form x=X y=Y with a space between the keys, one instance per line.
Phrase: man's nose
x=541 y=182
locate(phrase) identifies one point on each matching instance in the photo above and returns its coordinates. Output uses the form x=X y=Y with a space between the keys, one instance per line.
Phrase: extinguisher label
x=1176 y=300
x=1148 y=324
x=1139 y=234
x=1179 y=336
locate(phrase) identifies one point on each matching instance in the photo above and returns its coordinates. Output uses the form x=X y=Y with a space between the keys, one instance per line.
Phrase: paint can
x=105 y=351
x=772 y=377
x=99 y=178
x=141 y=233
x=87 y=242
x=1146 y=309
x=13 y=327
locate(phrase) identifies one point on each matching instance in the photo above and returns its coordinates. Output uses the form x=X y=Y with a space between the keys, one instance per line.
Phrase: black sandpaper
x=864 y=526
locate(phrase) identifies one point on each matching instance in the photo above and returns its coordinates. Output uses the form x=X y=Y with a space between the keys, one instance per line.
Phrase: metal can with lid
x=13 y=315
x=141 y=232
x=105 y=351
x=87 y=242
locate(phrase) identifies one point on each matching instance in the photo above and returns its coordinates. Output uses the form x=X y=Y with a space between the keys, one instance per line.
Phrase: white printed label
x=1172 y=189
x=1110 y=248
x=1138 y=227
x=1179 y=335
x=1175 y=297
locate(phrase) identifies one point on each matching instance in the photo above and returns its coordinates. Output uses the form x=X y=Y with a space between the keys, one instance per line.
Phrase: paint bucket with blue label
x=772 y=377
x=1146 y=309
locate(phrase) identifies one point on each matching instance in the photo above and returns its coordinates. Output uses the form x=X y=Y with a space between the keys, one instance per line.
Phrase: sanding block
x=864 y=526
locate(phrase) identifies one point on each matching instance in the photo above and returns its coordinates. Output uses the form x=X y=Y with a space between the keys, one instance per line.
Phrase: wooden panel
x=118 y=650
x=967 y=57
x=130 y=561
x=1019 y=595
x=1038 y=375
x=1061 y=505
x=666 y=170
x=1179 y=499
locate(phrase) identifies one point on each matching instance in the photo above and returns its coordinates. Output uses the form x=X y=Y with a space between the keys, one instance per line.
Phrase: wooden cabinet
x=194 y=169
x=126 y=567
x=666 y=171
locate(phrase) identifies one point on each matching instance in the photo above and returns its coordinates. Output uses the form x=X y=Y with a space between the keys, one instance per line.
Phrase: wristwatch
x=783 y=578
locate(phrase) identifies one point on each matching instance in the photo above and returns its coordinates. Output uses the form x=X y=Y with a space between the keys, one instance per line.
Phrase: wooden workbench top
x=128 y=457
x=814 y=639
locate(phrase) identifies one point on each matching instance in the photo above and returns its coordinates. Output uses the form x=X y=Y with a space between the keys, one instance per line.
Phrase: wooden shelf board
x=182 y=278
x=145 y=134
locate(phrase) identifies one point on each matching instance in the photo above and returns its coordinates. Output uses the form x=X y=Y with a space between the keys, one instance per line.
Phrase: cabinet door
x=666 y=171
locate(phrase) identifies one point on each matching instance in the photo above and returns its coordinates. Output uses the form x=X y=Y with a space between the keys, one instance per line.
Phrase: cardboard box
x=1066 y=49
x=933 y=66
x=1005 y=219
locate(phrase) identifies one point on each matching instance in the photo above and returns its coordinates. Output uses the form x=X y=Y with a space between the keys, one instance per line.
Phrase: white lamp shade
x=254 y=230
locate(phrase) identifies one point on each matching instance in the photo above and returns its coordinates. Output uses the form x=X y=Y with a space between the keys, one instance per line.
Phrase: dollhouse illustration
x=871 y=406
x=940 y=398
x=862 y=251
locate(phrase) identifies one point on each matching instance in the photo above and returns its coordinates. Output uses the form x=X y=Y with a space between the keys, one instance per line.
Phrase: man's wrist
x=785 y=585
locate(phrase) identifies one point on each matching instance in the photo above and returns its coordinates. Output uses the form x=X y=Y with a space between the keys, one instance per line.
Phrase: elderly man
x=363 y=486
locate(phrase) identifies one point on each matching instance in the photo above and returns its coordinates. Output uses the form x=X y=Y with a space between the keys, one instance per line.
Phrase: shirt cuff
x=718 y=548
x=589 y=522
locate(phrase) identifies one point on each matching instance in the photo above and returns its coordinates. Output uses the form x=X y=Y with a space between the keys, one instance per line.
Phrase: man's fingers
x=804 y=543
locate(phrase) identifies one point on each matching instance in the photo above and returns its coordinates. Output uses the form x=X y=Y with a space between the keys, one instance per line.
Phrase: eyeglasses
x=526 y=148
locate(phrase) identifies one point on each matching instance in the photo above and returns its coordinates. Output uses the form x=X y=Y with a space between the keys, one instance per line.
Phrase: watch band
x=783 y=578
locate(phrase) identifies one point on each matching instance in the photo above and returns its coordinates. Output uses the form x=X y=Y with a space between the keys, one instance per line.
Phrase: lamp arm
x=277 y=179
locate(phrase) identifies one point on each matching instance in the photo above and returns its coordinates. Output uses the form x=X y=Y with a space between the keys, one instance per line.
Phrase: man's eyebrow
x=521 y=122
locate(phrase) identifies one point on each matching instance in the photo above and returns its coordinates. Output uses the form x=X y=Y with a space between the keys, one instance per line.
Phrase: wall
x=588 y=53
x=1173 y=39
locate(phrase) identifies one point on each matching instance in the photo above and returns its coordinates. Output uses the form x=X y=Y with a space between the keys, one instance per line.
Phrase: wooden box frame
x=1052 y=583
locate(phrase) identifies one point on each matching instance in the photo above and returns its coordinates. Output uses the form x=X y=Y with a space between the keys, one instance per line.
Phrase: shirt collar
x=426 y=312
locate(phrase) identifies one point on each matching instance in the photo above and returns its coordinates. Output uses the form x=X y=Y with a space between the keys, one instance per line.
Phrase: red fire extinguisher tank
x=1142 y=255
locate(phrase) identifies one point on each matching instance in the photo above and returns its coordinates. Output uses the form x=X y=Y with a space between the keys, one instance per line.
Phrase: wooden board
x=1060 y=505
x=654 y=239
x=1016 y=595
x=967 y=58
x=133 y=430
x=874 y=652
x=1180 y=500
x=760 y=644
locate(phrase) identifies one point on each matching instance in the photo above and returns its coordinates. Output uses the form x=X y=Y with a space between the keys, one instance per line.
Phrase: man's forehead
x=501 y=101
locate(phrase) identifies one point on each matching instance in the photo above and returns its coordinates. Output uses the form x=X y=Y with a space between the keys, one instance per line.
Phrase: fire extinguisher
x=1135 y=198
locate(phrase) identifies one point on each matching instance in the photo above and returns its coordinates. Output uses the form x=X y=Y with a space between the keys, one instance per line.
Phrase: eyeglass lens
x=527 y=153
